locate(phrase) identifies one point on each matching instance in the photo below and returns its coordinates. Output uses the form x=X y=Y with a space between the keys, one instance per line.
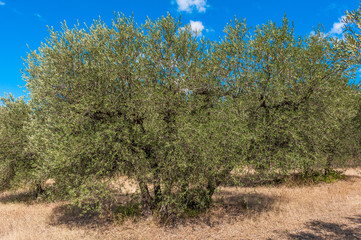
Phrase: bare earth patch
x=323 y=211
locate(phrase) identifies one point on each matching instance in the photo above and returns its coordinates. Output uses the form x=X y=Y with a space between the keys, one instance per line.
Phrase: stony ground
x=323 y=211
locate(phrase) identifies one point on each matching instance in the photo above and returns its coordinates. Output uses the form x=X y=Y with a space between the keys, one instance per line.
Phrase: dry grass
x=324 y=211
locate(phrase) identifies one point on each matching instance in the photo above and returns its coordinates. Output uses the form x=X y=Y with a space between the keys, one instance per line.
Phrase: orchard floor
x=322 y=211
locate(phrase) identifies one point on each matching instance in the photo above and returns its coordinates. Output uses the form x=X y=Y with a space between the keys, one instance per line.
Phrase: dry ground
x=323 y=211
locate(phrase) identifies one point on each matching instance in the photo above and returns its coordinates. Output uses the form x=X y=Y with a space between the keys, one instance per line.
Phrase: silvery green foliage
x=16 y=161
x=352 y=45
x=352 y=33
x=138 y=101
x=294 y=91
x=179 y=114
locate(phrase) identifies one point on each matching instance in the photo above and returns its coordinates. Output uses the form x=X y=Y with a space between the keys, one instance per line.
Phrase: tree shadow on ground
x=230 y=206
x=27 y=197
x=74 y=216
x=241 y=204
x=355 y=219
x=325 y=230
x=227 y=207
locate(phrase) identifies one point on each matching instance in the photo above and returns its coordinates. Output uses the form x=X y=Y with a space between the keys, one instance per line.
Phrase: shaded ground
x=324 y=211
x=346 y=228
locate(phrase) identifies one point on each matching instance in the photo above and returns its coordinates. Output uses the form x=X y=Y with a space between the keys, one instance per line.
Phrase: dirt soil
x=323 y=211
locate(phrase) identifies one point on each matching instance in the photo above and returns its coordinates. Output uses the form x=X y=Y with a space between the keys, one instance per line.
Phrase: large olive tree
x=139 y=101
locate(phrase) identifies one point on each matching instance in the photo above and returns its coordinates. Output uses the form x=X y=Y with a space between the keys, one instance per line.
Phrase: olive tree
x=177 y=113
x=140 y=101
x=16 y=159
x=352 y=35
x=293 y=90
x=352 y=45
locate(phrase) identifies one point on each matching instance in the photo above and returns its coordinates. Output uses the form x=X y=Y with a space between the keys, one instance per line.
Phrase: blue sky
x=25 y=23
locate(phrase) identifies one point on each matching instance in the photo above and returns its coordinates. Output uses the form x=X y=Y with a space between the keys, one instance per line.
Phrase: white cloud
x=336 y=30
x=189 y=5
x=337 y=27
x=2 y=3
x=39 y=17
x=197 y=27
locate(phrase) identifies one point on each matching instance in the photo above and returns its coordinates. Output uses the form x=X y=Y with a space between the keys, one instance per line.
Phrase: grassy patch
x=315 y=177
x=329 y=177
x=192 y=212
x=131 y=211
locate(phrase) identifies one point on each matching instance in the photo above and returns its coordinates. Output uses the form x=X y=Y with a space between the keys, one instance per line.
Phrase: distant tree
x=16 y=160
